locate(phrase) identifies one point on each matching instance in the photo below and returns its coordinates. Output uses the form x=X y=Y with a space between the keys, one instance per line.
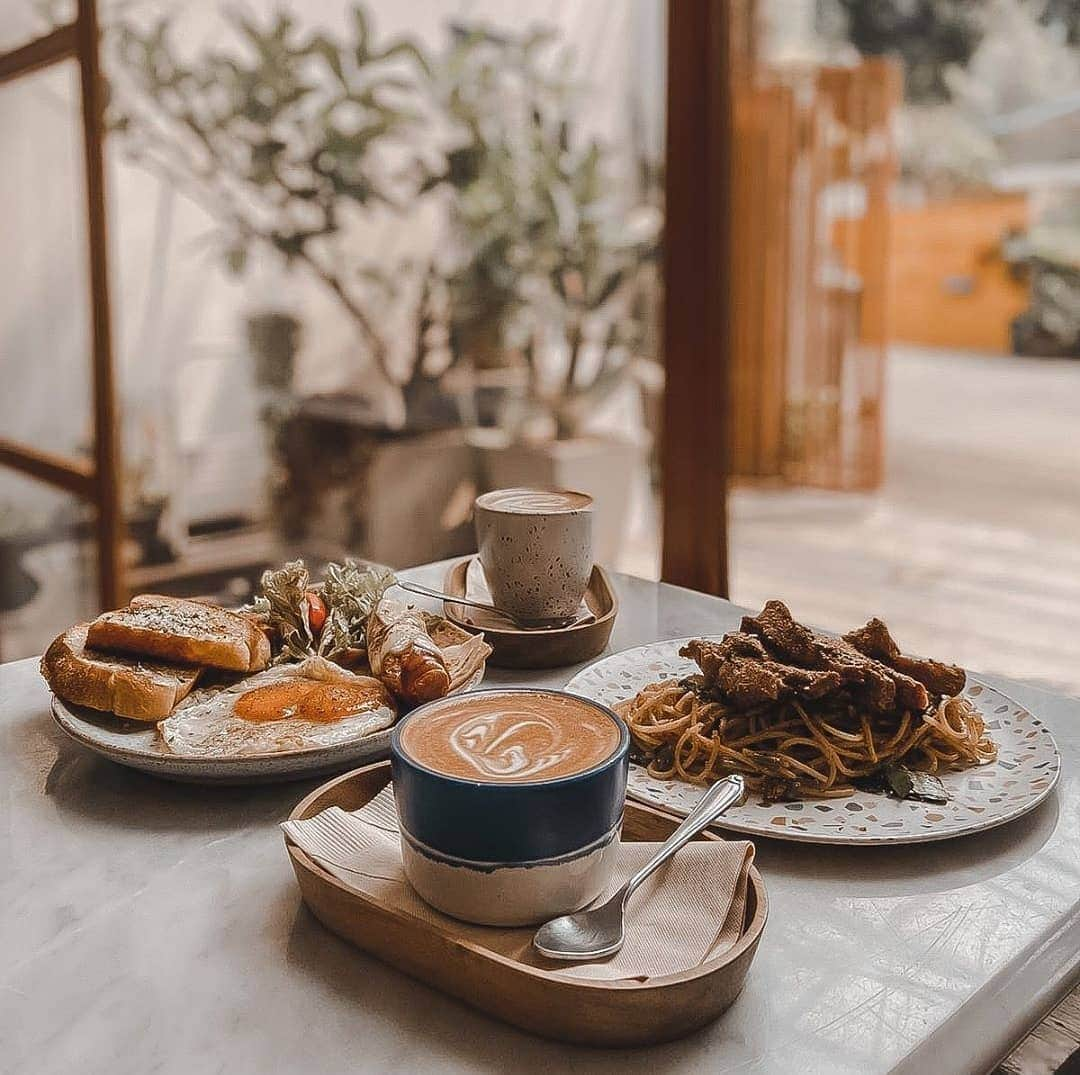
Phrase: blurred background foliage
x=286 y=133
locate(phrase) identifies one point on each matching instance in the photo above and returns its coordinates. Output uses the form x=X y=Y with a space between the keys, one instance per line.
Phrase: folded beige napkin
x=477 y=589
x=690 y=910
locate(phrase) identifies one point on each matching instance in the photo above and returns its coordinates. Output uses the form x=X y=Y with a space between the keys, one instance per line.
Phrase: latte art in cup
x=513 y=737
x=530 y=501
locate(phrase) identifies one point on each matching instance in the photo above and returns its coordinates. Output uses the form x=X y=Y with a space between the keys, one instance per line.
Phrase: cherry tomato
x=316 y=612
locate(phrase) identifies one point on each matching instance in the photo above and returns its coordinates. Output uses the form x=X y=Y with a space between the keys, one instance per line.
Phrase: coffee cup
x=509 y=802
x=536 y=549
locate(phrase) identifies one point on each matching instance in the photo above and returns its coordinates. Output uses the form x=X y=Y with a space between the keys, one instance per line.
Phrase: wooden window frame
x=96 y=481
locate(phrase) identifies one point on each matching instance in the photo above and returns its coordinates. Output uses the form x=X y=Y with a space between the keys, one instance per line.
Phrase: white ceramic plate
x=1025 y=772
x=139 y=746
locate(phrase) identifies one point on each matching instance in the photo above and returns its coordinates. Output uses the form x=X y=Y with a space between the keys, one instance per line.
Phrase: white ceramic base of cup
x=509 y=895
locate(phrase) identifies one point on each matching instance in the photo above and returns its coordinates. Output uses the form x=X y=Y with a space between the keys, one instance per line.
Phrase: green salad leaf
x=283 y=602
x=350 y=592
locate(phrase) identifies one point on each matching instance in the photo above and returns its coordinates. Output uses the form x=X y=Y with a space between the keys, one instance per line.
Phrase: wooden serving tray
x=542 y=648
x=606 y=1013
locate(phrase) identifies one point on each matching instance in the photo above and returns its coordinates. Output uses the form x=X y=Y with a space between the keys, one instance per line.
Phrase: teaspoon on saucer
x=598 y=932
x=525 y=622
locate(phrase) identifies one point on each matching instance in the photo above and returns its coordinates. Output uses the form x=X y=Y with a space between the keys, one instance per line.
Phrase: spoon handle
x=518 y=621
x=710 y=806
x=424 y=591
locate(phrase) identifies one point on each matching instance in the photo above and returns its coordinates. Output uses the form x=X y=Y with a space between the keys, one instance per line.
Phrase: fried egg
x=291 y=707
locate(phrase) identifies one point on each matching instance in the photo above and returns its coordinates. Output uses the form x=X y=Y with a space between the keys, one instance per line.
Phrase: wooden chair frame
x=96 y=481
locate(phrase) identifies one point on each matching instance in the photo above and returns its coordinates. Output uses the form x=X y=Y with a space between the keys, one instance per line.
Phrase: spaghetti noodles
x=808 y=748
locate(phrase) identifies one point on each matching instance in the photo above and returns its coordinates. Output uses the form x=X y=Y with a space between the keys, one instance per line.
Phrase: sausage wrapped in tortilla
x=402 y=654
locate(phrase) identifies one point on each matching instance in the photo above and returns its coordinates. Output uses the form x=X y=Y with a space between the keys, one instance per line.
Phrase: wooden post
x=110 y=525
x=763 y=145
x=697 y=312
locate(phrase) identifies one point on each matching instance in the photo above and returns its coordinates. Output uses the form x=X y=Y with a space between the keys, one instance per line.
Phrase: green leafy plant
x=282 y=137
x=545 y=269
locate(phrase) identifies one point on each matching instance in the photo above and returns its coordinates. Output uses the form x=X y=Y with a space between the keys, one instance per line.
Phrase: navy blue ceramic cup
x=510 y=802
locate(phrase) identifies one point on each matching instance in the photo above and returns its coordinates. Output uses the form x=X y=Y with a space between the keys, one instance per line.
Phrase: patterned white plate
x=138 y=746
x=1025 y=772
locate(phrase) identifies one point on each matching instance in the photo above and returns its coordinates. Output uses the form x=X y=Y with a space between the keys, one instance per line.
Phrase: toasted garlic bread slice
x=127 y=686
x=187 y=632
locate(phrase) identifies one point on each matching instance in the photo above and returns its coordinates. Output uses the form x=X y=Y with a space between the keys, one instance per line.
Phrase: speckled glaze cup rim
x=504 y=786
x=495 y=509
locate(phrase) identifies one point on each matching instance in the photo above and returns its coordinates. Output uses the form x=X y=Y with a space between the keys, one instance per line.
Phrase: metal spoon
x=522 y=621
x=598 y=932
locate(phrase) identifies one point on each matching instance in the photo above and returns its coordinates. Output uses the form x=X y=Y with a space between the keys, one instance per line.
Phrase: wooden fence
x=813 y=165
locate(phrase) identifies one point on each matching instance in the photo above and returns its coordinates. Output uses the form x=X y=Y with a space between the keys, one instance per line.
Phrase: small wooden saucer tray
x=554 y=647
x=604 y=1013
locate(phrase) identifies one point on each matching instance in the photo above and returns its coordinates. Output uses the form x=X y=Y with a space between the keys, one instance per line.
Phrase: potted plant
x=550 y=281
x=532 y=312
x=287 y=139
x=294 y=141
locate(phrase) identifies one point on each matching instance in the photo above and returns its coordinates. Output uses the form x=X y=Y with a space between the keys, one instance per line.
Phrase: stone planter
x=419 y=495
x=608 y=469
x=344 y=486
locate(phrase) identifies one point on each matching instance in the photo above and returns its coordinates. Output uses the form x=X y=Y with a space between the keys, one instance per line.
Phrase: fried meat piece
x=883 y=687
x=741 y=669
x=874 y=640
x=775 y=624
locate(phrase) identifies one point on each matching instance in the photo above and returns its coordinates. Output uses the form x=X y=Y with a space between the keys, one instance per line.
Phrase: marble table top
x=156 y=927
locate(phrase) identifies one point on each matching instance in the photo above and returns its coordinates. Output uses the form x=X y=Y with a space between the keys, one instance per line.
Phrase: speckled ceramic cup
x=536 y=549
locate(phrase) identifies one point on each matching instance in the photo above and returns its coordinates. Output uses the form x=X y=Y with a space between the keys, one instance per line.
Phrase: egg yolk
x=332 y=701
x=275 y=701
x=305 y=700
